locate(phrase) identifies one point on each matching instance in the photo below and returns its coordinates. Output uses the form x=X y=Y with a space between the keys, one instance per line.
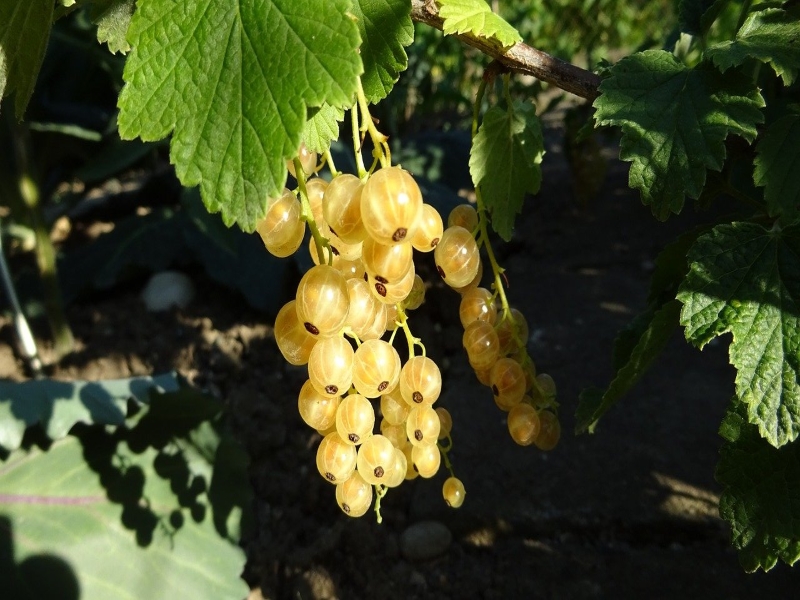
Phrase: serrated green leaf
x=771 y=36
x=674 y=123
x=24 y=32
x=656 y=331
x=476 y=17
x=58 y=405
x=761 y=495
x=745 y=279
x=113 y=17
x=112 y=510
x=504 y=162
x=386 y=29
x=778 y=167
x=322 y=128
x=234 y=79
x=697 y=16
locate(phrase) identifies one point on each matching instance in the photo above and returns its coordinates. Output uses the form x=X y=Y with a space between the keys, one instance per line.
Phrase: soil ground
x=629 y=512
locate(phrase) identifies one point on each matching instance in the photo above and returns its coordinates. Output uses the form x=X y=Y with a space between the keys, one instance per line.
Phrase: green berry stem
x=380 y=492
x=307 y=215
x=402 y=322
x=379 y=140
x=362 y=171
x=444 y=450
x=329 y=159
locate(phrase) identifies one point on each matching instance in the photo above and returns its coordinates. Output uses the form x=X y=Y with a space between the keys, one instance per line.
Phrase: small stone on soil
x=425 y=540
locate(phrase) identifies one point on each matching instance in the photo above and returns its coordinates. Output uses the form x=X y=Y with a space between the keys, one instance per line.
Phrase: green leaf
x=234 y=79
x=504 y=162
x=127 y=520
x=697 y=16
x=778 y=166
x=24 y=32
x=761 y=494
x=770 y=36
x=745 y=279
x=113 y=17
x=58 y=405
x=386 y=28
x=322 y=128
x=674 y=123
x=594 y=403
x=476 y=17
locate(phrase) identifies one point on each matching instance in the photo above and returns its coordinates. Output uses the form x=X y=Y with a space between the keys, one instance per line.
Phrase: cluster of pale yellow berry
x=363 y=235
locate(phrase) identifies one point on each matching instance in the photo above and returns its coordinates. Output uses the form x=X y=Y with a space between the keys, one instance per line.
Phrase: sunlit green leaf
x=745 y=280
x=505 y=162
x=674 y=123
x=233 y=79
x=476 y=17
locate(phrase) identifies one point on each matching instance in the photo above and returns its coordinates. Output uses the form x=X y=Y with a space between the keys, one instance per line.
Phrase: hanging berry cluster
x=364 y=230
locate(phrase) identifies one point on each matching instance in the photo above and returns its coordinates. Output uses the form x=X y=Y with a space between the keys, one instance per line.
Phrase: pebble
x=167 y=289
x=425 y=540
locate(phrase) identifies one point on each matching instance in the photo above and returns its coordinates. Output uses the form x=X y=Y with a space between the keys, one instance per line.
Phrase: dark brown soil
x=630 y=512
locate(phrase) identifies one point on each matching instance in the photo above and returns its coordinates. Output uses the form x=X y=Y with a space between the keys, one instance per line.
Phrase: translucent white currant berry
x=482 y=345
x=457 y=257
x=524 y=424
x=446 y=422
x=354 y=496
x=508 y=383
x=393 y=408
x=376 y=460
x=355 y=419
x=341 y=207
x=391 y=205
x=294 y=342
x=367 y=316
x=308 y=160
x=420 y=381
x=315 y=188
x=387 y=264
x=398 y=472
x=281 y=229
x=427 y=459
x=429 y=229
x=376 y=368
x=318 y=411
x=453 y=492
x=416 y=296
x=549 y=431
x=330 y=366
x=336 y=460
x=322 y=300
x=423 y=426
x=463 y=215
x=477 y=305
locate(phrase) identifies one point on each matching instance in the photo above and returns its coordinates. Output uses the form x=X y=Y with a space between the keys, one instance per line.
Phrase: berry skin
x=524 y=424
x=391 y=205
x=354 y=496
x=376 y=460
x=457 y=257
x=453 y=492
x=420 y=381
x=336 y=460
x=322 y=300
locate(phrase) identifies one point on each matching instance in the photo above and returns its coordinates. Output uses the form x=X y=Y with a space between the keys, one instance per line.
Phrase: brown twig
x=520 y=58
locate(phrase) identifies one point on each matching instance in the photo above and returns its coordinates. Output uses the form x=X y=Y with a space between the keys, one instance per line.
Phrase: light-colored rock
x=425 y=540
x=167 y=289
